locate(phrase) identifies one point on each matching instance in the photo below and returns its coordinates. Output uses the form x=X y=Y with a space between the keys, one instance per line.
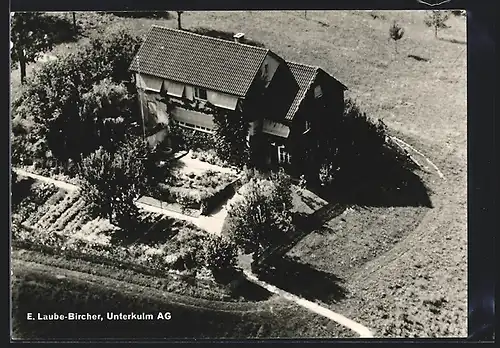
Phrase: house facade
x=182 y=77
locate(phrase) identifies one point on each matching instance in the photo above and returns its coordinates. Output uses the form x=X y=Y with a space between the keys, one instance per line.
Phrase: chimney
x=238 y=37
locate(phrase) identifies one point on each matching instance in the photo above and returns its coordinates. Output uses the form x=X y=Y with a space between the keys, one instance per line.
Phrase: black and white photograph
x=253 y=174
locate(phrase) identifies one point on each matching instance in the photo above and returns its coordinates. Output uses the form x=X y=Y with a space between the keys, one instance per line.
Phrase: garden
x=56 y=222
x=201 y=191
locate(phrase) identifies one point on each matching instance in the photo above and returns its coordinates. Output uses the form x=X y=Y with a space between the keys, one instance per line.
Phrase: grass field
x=40 y=288
x=404 y=269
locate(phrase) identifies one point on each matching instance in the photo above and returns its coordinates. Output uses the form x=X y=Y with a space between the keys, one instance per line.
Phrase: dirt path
x=211 y=224
x=58 y=183
x=408 y=146
x=361 y=330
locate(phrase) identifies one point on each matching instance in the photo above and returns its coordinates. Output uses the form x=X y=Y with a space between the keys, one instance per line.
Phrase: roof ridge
x=210 y=37
x=307 y=65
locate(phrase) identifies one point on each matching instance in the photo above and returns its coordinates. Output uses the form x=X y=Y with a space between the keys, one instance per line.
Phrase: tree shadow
x=61 y=29
x=147 y=231
x=303 y=280
x=20 y=189
x=418 y=58
x=460 y=42
x=241 y=287
x=394 y=186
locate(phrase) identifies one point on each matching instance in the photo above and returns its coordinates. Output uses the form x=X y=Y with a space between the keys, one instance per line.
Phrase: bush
x=187 y=139
x=261 y=218
x=219 y=256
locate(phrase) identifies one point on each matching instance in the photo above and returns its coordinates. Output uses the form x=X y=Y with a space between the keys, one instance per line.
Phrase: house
x=182 y=76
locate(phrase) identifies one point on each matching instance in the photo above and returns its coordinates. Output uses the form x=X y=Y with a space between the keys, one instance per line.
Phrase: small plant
x=436 y=19
x=396 y=33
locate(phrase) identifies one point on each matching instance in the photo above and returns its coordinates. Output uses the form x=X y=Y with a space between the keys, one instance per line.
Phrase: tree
x=396 y=32
x=261 y=218
x=106 y=112
x=79 y=96
x=348 y=153
x=30 y=37
x=436 y=19
x=75 y=28
x=231 y=131
x=179 y=14
x=219 y=255
x=111 y=182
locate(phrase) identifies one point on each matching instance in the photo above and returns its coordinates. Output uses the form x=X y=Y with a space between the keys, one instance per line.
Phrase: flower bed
x=209 y=156
x=197 y=191
x=39 y=193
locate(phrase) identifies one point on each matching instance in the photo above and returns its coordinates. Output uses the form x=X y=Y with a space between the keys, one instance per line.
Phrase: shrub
x=219 y=255
x=184 y=138
x=261 y=218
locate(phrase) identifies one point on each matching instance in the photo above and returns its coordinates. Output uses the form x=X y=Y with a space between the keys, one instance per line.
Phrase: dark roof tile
x=304 y=75
x=198 y=60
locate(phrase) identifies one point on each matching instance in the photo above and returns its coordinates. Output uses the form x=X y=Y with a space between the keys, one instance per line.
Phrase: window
x=283 y=156
x=194 y=127
x=318 y=92
x=200 y=93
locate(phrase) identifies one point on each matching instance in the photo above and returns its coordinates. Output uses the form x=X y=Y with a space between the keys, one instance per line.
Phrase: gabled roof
x=305 y=75
x=198 y=60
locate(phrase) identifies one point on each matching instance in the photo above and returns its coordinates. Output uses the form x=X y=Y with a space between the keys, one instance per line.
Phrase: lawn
x=404 y=268
x=47 y=289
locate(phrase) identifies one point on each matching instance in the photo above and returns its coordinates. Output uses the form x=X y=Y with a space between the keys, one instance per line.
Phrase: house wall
x=179 y=90
x=272 y=65
x=193 y=119
x=275 y=128
x=150 y=89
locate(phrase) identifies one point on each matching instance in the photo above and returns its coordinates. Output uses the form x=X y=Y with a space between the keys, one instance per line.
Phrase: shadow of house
x=303 y=280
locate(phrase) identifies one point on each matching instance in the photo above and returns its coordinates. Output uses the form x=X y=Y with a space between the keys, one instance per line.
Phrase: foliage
x=195 y=191
x=113 y=181
x=396 y=33
x=261 y=217
x=231 y=131
x=358 y=138
x=107 y=109
x=190 y=139
x=112 y=52
x=33 y=33
x=28 y=196
x=359 y=150
x=436 y=19
x=74 y=103
x=219 y=255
